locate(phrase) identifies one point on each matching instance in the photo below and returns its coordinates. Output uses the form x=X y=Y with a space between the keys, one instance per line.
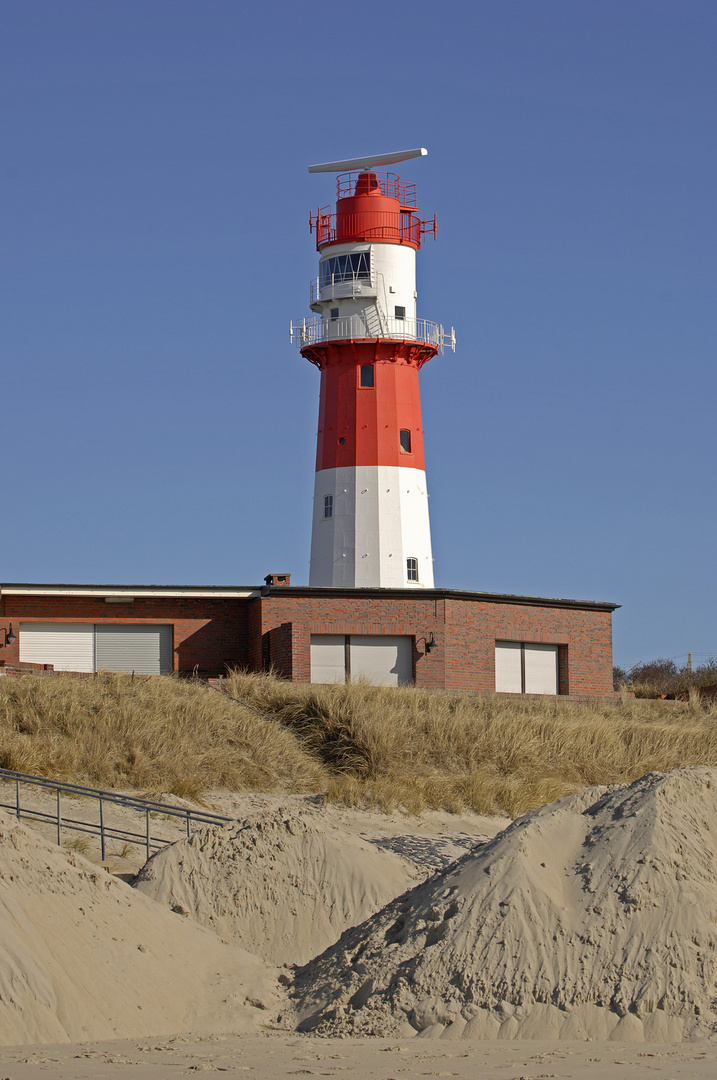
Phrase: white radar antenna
x=368 y=162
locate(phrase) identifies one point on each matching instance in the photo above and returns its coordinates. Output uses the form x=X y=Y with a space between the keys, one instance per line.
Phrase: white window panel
x=328 y=658
x=508 y=667
x=383 y=661
x=67 y=646
x=541 y=669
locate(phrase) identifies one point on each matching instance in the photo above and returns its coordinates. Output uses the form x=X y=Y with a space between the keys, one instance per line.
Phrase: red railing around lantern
x=404 y=228
x=388 y=184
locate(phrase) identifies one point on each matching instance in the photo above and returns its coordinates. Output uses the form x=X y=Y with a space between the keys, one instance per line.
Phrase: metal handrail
x=148 y=807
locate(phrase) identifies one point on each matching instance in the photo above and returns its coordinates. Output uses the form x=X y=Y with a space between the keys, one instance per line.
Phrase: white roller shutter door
x=328 y=658
x=146 y=650
x=541 y=669
x=526 y=668
x=67 y=646
x=508 y=667
x=86 y=647
x=383 y=661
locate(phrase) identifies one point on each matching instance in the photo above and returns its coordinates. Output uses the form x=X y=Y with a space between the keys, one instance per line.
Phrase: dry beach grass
x=359 y=745
x=147 y=733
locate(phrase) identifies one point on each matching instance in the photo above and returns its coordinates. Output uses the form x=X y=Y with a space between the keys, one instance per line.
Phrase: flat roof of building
x=248 y=592
x=215 y=591
x=448 y=594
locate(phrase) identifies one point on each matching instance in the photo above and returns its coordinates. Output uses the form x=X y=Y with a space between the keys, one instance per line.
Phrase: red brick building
x=442 y=639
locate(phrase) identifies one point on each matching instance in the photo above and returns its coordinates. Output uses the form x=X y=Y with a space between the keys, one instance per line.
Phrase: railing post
x=102 y=830
x=148 y=834
x=59 y=820
x=188 y=829
x=17 y=798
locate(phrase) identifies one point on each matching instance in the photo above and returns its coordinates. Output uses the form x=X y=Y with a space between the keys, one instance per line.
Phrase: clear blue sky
x=157 y=425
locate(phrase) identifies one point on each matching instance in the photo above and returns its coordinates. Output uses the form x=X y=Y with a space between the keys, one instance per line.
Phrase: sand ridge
x=592 y=918
x=283 y=883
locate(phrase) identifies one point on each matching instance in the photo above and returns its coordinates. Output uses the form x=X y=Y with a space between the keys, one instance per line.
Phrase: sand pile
x=592 y=918
x=284 y=883
x=82 y=956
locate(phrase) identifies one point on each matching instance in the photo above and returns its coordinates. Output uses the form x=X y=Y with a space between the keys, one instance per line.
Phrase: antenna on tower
x=369 y=162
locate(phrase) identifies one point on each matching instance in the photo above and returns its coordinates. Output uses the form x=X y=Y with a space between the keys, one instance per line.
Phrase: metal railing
x=341 y=288
x=386 y=226
x=356 y=327
x=146 y=807
x=388 y=183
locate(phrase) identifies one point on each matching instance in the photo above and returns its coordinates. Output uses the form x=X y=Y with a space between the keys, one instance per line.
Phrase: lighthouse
x=370 y=518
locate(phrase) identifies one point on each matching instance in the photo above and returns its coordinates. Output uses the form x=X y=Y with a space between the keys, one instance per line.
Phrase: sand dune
x=283 y=883
x=83 y=956
x=592 y=918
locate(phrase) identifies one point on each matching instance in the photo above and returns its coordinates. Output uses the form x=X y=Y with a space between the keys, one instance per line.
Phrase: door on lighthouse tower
x=382 y=660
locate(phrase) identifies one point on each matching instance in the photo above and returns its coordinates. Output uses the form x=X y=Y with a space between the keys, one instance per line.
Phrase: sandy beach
x=443 y=945
x=276 y=1056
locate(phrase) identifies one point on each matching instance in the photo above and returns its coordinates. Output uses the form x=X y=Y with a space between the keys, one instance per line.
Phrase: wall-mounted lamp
x=8 y=637
x=428 y=643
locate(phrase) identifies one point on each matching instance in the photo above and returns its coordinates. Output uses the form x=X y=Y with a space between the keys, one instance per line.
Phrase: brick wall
x=209 y=635
x=465 y=630
x=405 y=615
x=584 y=638
x=274 y=631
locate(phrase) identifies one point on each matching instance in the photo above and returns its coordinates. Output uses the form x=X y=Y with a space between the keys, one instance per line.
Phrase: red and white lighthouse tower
x=370 y=523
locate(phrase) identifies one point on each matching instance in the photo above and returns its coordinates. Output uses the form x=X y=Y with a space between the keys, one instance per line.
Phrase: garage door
x=383 y=661
x=526 y=668
x=509 y=667
x=69 y=646
x=328 y=658
x=147 y=650
x=541 y=669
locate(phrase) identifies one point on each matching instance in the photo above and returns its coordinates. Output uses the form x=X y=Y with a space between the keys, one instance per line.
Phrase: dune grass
x=360 y=745
x=148 y=733
x=490 y=753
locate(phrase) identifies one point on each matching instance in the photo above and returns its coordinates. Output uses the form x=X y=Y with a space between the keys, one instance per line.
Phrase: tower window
x=328 y=506
x=338 y=269
x=405 y=438
x=366 y=375
x=400 y=312
x=334 y=314
x=412 y=569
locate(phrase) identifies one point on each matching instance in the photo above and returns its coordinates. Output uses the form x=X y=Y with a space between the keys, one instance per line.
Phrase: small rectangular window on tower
x=367 y=375
x=405 y=437
x=400 y=312
x=328 y=506
x=334 y=314
x=412 y=569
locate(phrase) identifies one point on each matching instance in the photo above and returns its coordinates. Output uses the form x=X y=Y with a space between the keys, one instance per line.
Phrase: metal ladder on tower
x=376 y=322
